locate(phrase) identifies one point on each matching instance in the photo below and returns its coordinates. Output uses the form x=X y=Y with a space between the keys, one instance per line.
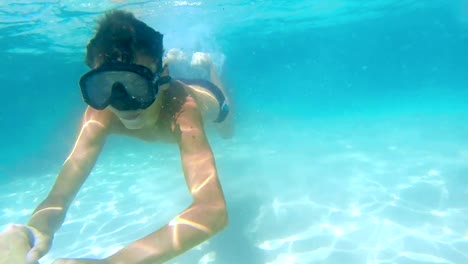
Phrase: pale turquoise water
x=352 y=129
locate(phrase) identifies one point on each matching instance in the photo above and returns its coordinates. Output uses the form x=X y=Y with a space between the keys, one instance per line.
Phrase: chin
x=133 y=124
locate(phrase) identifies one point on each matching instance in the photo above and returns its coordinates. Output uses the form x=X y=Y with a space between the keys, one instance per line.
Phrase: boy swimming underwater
x=129 y=91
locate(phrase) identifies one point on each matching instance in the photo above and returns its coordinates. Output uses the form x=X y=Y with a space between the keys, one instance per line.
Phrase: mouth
x=130 y=116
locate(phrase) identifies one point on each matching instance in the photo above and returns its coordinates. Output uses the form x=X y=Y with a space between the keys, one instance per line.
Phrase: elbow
x=223 y=218
x=210 y=213
x=218 y=219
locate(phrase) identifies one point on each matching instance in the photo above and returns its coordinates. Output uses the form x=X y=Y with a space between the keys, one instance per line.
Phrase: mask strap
x=164 y=80
x=158 y=80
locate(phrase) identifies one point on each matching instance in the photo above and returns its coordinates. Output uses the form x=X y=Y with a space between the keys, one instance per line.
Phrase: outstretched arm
x=50 y=214
x=203 y=218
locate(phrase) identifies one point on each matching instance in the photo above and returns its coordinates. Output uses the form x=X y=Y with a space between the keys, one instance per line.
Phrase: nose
x=120 y=99
x=118 y=91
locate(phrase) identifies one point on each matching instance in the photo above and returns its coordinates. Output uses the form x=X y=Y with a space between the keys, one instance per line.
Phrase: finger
x=38 y=251
x=33 y=257
x=40 y=246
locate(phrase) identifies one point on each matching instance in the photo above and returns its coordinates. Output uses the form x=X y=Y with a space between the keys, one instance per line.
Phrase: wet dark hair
x=120 y=36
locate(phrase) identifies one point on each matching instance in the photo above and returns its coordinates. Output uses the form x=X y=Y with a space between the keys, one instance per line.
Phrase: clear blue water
x=351 y=142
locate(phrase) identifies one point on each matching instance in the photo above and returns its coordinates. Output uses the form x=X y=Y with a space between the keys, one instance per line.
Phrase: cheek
x=115 y=111
x=143 y=113
x=153 y=68
x=112 y=109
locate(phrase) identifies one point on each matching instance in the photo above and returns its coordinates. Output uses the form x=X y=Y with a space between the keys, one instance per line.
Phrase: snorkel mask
x=124 y=86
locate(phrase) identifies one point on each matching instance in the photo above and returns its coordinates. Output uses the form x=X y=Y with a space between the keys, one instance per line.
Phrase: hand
x=79 y=261
x=14 y=245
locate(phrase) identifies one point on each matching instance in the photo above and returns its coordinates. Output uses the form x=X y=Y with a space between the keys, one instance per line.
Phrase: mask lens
x=97 y=88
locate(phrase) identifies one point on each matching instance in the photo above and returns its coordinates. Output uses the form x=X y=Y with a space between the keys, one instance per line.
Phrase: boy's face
x=124 y=55
x=135 y=119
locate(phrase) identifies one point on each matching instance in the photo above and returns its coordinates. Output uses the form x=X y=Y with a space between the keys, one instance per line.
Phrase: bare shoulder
x=98 y=121
x=184 y=109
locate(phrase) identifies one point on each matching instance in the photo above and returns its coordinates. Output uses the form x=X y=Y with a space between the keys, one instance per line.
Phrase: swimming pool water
x=351 y=143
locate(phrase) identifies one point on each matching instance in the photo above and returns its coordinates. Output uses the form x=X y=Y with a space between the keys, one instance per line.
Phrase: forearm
x=50 y=213
x=190 y=228
x=48 y=216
